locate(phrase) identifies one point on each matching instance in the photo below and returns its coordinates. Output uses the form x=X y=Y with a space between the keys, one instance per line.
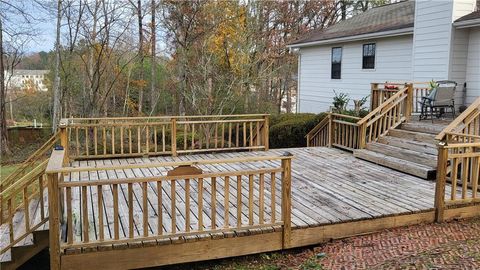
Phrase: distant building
x=24 y=79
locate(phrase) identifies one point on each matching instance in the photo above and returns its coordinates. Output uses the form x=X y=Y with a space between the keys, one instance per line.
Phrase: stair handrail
x=321 y=125
x=465 y=118
x=29 y=162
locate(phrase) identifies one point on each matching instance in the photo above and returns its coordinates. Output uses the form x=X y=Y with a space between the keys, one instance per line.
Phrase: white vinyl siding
x=473 y=66
x=393 y=63
x=458 y=64
x=432 y=37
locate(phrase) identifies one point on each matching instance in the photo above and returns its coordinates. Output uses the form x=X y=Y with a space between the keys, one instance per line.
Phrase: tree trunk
x=153 y=99
x=140 y=54
x=56 y=83
x=4 y=149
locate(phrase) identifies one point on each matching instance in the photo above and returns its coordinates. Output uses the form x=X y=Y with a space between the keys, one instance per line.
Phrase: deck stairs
x=30 y=245
x=409 y=148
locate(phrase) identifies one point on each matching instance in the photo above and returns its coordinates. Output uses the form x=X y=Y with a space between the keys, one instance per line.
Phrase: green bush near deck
x=289 y=130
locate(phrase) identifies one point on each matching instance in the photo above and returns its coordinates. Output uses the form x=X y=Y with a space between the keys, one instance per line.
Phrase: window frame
x=374 y=62
x=340 y=64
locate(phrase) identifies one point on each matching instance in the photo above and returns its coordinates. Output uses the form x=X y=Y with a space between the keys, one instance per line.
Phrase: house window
x=368 y=56
x=336 y=63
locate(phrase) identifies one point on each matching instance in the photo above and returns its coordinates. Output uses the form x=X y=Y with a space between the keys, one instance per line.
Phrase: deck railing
x=351 y=132
x=380 y=92
x=166 y=135
x=179 y=200
x=459 y=160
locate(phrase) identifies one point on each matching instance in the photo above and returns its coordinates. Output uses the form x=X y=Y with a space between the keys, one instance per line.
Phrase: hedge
x=289 y=130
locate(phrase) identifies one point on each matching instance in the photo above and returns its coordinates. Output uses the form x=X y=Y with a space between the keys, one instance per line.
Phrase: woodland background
x=159 y=57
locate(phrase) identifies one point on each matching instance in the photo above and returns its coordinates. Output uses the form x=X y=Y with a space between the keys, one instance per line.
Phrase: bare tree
x=3 y=114
x=56 y=84
x=153 y=99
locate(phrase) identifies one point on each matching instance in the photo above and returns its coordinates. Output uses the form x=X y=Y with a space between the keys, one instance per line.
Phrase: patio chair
x=439 y=100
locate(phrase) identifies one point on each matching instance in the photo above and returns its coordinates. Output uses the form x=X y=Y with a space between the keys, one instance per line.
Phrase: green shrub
x=289 y=130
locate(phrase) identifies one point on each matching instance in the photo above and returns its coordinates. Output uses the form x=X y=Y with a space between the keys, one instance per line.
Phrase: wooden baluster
x=116 y=231
x=69 y=216
x=257 y=138
x=251 y=134
x=193 y=136
x=147 y=140
x=42 y=198
x=200 y=204
x=239 y=201
x=95 y=142
x=223 y=135
x=130 y=210
x=26 y=208
x=113 y=140
x=286 y=201
x=173 y=139
x=139 y=140
x=121 y=140
x=439 y=203
x=213 y=202
x=174 y=208
x=10 y=219
x=145 y=208
x=187 y=205
x=185 y=137
x=77 y=142
x=250 y=199
x=100 y=212
x=272 y=199
x=159 y=208
x=465 y=170
x=454 y=179
x=130 y=148
x=104 y=140
x=86 y=142
x=155 y=139
x=261 y=201
x=237 y=135
x=226 y=205
x=244 y=134
x=85 y=223
x=475 y=176
x=216 y=135
x=229 y=135
x=163 y=138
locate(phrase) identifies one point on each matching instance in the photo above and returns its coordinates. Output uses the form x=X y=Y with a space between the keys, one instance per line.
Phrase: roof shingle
x=472 y=16
x=384 y=18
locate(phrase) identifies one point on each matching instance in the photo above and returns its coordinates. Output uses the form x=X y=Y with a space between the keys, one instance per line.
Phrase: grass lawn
x=5 y=170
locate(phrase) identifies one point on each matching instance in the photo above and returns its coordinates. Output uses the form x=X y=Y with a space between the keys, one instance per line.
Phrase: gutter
x=466 y=24
x=390 y=33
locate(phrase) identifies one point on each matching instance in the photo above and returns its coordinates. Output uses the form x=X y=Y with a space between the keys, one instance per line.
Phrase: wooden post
x=374 y=102
x=287 y=199
x=362 y=136
x=174 y=137
x=266 y=130
x=409 y=102
x=441 y=180
x=54 y=220
x=331 y=131
x=64 y=138
x=308 y=140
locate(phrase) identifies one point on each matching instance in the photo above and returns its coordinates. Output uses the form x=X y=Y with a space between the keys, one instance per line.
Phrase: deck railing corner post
x=331 y=130
x=286 y=201
x=64 y=138
x=362 y=136
x=54 y=220
x=409 y=104
x=440 y=182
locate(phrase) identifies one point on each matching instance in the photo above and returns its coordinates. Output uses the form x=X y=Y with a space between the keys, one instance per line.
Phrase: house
x=24 y=79
x=415 y=41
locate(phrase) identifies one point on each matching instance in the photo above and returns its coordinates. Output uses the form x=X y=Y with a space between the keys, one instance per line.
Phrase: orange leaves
x=138 y=83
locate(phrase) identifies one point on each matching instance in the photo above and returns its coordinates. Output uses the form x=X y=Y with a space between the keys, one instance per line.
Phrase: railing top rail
x=461 y=145
x=457 y=121
x=319 y=125
x=57 y=169
x=400 y=83
x=346 y=116
x=382 y=106
x=38 y=170
x=166 y=117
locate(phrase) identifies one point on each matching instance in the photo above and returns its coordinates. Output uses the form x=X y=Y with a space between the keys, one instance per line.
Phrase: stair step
x=405 y=166
x=412 y=136
x=405 y=154
x=421 y=147
x=423 y=127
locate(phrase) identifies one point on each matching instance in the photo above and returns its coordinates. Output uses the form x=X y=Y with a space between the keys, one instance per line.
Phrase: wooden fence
x=171 y=135
x=178 y=202
x=351 y=132
x=459 y=160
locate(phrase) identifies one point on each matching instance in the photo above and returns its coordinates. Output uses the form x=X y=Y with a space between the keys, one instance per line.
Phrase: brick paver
x=451 y=245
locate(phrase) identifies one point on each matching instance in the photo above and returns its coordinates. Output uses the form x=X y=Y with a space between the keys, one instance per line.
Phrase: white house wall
x=458 y=65
x=473 y=66
x=393 y=63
